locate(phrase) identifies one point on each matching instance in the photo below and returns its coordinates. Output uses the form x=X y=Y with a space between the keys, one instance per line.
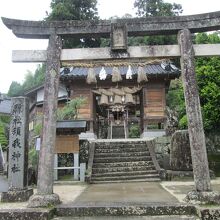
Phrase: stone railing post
x=45 y=195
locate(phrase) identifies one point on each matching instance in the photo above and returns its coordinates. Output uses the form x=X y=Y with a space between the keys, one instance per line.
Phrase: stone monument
x=18 y=153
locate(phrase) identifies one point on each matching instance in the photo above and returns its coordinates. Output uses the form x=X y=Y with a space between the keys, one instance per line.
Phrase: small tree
x=70 y=110
x=3 y=139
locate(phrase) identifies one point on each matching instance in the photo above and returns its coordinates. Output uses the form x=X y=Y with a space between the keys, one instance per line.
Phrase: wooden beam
x=85 y=54
x=102 y=28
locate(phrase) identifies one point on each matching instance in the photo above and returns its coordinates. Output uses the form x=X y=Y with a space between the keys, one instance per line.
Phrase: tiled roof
x=71 y=124
x=150 y=69
x=5 y=106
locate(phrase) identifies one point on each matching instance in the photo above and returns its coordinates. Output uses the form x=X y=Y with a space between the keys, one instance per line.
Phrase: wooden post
x=193 y=110
x=76 y=164
x=55 y=177
x=45 y=195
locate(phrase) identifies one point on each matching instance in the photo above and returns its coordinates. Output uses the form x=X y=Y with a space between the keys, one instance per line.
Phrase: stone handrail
x=162 y=172
x=90 y=162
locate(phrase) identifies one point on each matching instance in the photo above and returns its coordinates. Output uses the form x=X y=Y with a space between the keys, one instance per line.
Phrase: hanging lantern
x=142 y=77
x=129 y=73
x=117 y=100
x=91 y=77
x=104 y=100
x=129 y=99
x=102 y=74
x=116 y=76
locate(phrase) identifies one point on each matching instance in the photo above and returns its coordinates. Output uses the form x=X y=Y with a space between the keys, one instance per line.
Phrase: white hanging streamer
x=129 y=73
x=102 y=74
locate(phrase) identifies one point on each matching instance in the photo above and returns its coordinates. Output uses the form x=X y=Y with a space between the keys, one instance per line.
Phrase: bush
x=183 y=122
x=134 y=131
x=3 y=139
x=70 y=110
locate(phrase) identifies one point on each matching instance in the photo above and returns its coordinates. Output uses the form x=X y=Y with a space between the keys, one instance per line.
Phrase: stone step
x=125 y=210
x=121 y=159
x=162 y=217
x=112 y=178
x=122 y=164
x=121 y=154
x=111 y=145
x=128 y=173
x=127 y=181
x=26 y=213
x=121 y=149
x=121 y=169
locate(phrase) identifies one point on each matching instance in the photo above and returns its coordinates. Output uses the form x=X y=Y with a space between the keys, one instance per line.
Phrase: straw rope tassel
x=116 y=76
x=91 y=77
x=141 y=75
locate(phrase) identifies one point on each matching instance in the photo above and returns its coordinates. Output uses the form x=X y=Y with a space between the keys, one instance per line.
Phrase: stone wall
x=162 y=150
x=213 y=142
x=180 y=154
x=162 y=147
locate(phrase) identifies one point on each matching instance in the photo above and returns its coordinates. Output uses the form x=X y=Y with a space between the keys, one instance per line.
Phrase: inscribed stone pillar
x=193 y=110
x=45 y=195
x=18 y=152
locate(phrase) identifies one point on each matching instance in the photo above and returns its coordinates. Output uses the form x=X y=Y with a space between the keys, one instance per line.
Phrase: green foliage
x=38 y=128
x=31 y=80
x=204 y=38
x=175 y=98
x=134 y=131
x=183 y=122
x=208 y=79
x=3 y=139
x=148 y=8
x=15 y=89
x=33 y=158
x=70 y=110
x=153 y=8
x=4 y=119
x=75 y=10
x=4 y=122
x=209 y=88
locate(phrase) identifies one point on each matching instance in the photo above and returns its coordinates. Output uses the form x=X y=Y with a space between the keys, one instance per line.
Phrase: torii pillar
x=203 y=191
x=45 y=195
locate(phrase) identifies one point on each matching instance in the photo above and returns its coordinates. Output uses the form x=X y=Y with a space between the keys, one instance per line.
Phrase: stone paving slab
x=179 y=189
x=126 y=192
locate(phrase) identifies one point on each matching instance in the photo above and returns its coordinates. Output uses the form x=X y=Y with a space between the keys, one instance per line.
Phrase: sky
x=36 y=10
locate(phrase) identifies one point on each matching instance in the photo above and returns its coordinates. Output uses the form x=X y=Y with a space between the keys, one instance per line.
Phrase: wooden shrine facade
x=122 y=101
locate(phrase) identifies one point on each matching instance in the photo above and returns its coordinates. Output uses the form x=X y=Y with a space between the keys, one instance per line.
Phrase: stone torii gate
x=118 y=31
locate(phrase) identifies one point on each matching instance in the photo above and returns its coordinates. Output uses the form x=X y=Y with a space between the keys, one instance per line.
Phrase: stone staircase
x=116 y=161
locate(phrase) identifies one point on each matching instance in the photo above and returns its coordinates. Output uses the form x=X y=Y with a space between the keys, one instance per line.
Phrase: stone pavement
x=153 y=193
x=179 y=189
x=137 y=192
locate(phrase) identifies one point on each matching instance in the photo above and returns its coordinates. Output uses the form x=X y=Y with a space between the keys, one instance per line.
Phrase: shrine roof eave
x=102 y=28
